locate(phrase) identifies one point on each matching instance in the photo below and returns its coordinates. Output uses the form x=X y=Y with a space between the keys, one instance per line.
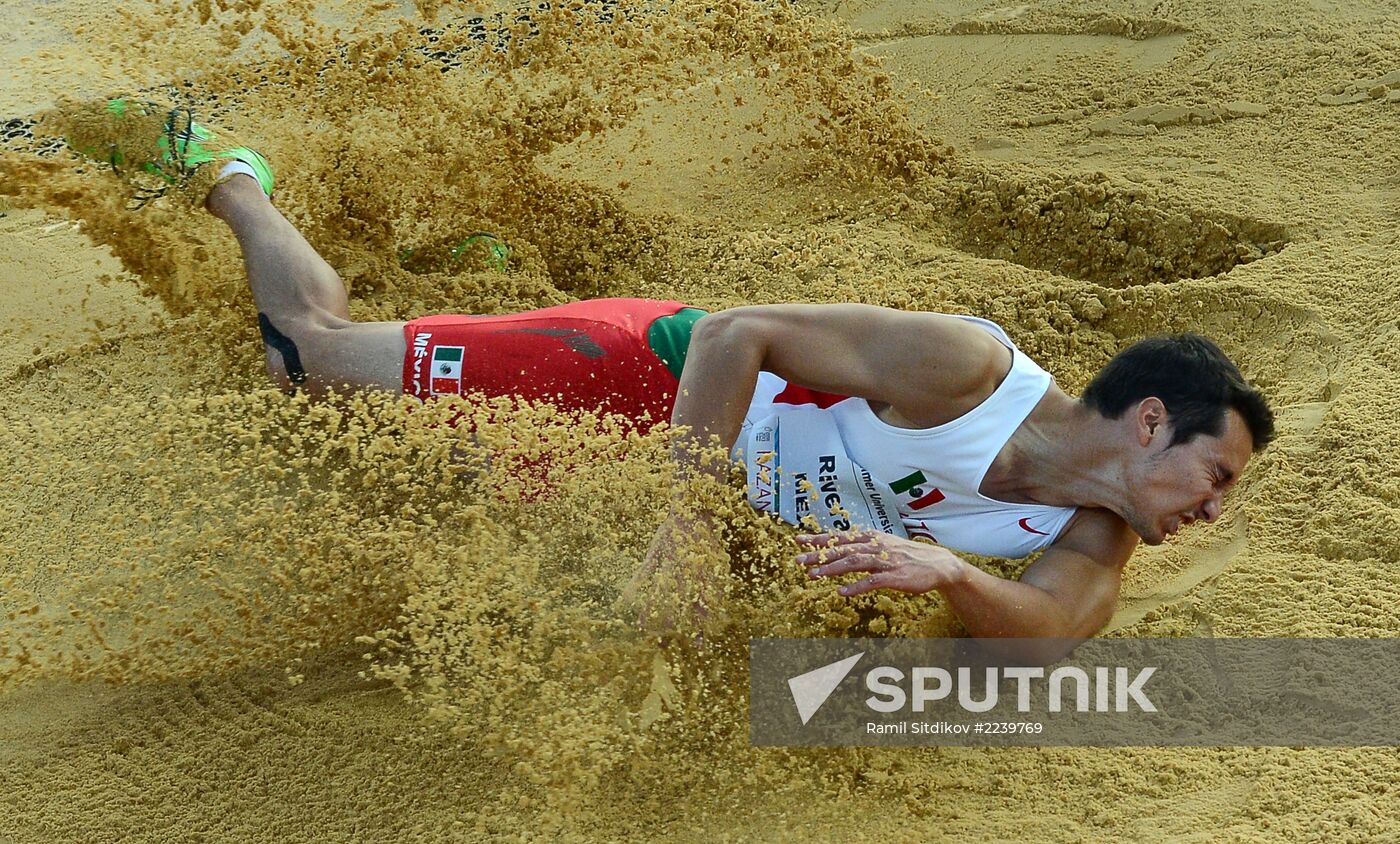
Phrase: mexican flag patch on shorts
x=446 y=370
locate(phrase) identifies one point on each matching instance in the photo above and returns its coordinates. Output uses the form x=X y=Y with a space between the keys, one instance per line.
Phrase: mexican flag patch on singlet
x=446 y=370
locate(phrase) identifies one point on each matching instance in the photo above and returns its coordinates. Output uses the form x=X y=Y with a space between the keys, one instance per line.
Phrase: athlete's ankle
x=238 y=189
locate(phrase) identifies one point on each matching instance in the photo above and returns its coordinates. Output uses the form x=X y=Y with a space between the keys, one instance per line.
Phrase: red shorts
x=587 y=355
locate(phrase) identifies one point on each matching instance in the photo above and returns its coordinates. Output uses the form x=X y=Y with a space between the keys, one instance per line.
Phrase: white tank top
x=933 y=474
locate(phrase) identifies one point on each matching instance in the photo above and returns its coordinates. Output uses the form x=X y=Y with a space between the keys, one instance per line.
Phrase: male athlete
x=905 y=426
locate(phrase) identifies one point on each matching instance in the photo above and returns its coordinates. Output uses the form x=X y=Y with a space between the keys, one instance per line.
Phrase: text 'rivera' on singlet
x=830 y=458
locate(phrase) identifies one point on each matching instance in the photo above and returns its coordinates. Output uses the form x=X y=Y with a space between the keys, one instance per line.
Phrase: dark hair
x=1192 y=377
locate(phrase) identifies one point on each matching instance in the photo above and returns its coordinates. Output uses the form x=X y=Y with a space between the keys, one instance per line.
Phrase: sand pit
x=228 y=615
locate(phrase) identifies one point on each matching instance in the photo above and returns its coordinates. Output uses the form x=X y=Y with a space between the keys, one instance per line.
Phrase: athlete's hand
x=892 y=563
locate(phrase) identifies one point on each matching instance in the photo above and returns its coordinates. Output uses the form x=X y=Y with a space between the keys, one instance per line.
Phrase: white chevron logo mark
x=810 y=690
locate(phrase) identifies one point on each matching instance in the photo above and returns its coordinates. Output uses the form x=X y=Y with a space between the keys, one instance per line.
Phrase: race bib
x=799 y=469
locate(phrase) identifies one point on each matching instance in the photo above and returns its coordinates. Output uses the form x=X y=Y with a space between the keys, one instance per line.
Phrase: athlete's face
x=1171 y=487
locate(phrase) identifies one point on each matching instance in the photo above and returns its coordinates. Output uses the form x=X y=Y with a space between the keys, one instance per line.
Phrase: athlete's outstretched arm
x=1067 y=595
x=924 y=365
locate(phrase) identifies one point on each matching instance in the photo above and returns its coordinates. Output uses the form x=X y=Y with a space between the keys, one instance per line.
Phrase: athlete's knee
x=284 y=343
x=296 y=348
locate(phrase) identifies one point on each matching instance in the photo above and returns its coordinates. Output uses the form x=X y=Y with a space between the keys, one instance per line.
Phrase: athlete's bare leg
x=302 y=307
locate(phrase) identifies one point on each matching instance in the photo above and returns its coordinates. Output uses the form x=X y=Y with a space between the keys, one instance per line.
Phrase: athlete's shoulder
x=978 y=338
x=953 y=364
